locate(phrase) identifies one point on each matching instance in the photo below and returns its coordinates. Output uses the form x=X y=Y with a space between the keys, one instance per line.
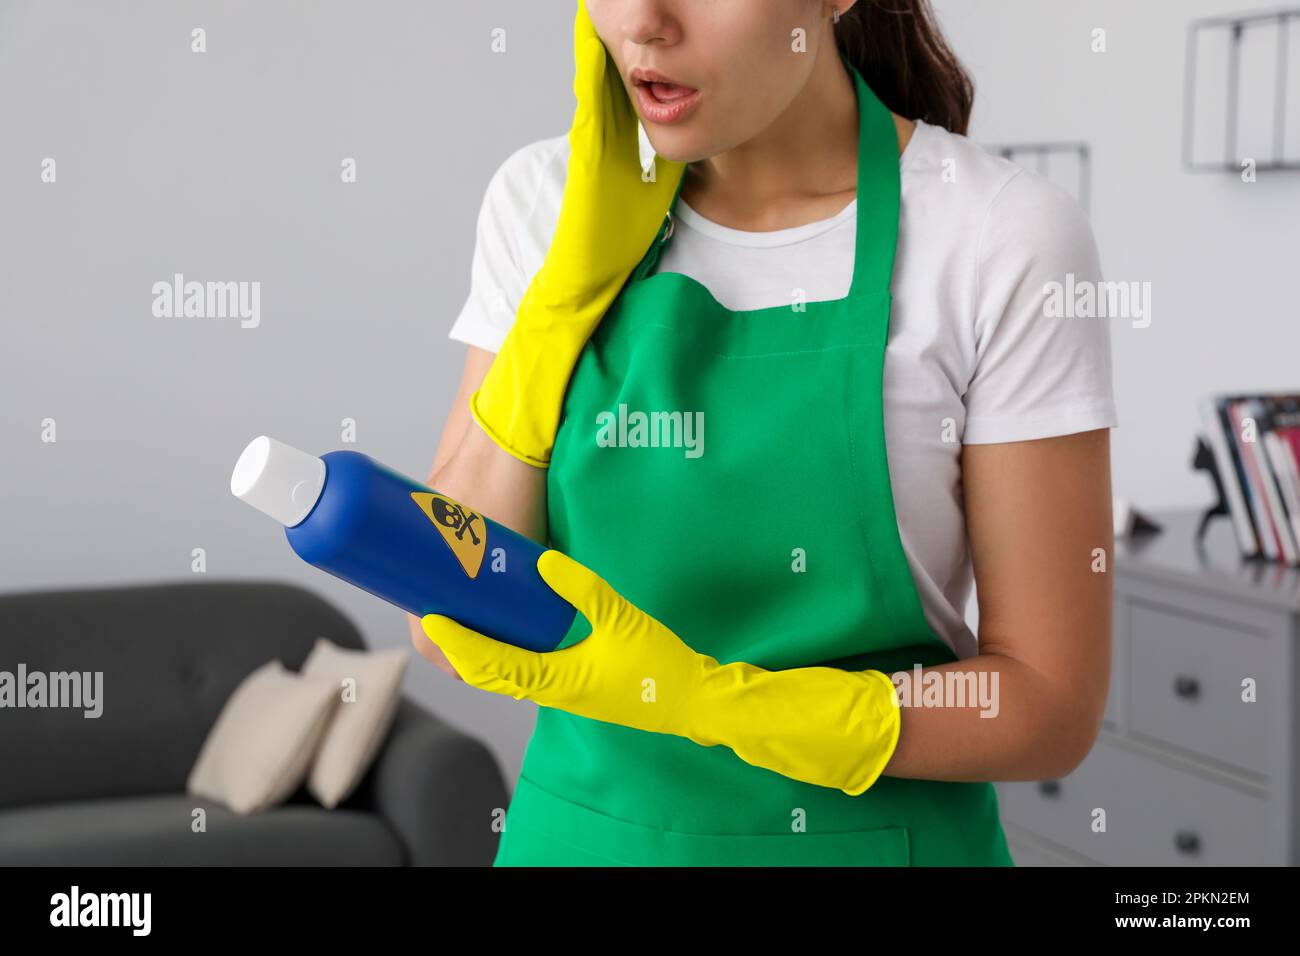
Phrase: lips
x=662 y=99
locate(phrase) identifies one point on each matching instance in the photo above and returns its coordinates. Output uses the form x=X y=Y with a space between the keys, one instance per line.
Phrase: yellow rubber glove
x=821 y=725
x=609 y=215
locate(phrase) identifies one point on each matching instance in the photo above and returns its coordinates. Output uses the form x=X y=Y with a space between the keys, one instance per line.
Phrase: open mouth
x=661 y=100
x=668 y=92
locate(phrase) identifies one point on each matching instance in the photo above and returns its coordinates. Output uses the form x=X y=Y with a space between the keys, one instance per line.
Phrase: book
x=1218 y=434
x=1255 y=442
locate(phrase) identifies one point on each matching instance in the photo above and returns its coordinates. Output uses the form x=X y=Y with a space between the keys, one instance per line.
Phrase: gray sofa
x=110 y=790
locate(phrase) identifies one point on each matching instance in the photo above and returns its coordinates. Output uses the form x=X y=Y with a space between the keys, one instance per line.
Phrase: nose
x=648 y=21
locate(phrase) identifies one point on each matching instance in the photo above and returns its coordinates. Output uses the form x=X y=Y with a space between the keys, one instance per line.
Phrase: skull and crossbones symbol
x=456 y=517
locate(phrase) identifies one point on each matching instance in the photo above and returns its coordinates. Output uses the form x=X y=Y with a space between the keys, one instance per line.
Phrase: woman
x=867 y=459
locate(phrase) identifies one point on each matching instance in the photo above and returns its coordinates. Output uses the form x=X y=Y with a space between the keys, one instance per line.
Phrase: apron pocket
x=544 y=829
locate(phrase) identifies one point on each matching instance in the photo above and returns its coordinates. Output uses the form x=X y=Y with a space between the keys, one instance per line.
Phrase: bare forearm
x=990 y=717
x=469 y=467
x=486 y=479
x=1039 y=523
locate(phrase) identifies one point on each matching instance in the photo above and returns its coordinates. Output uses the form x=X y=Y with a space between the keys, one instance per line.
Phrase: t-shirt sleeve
x=1036 y=374
x=499 y=272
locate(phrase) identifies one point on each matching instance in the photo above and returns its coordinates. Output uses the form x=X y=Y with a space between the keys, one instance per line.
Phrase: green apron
x=778 y=545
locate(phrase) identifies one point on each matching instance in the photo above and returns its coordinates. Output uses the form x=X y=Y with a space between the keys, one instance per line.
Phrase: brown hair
x=901 y=53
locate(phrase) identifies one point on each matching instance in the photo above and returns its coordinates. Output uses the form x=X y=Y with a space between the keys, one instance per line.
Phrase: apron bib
x=767 y=536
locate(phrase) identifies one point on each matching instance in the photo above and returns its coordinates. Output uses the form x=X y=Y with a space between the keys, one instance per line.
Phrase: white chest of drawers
x=1189 y=770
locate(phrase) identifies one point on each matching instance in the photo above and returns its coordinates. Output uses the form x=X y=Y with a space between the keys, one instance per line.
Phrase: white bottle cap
x=278 y=479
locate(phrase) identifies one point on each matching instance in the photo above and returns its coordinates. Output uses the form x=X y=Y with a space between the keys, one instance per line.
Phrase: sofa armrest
x=437 y=788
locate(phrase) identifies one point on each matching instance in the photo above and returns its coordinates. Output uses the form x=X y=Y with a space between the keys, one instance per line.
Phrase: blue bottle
x=422 y=551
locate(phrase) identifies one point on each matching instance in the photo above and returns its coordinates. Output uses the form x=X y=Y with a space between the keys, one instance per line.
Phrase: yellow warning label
x=464 y=531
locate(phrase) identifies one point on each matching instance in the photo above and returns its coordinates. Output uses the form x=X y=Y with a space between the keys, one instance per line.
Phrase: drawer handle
x=1187 y=842
x=1050 y=788
x=1187 y=687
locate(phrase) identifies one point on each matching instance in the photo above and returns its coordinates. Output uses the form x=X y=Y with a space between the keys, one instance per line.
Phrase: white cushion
x=368 y=685
x=258 y=751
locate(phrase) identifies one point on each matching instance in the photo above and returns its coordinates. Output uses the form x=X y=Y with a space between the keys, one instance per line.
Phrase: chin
x=679 y=146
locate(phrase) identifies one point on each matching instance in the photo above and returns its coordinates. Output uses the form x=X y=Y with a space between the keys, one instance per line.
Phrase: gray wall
x=226 y=166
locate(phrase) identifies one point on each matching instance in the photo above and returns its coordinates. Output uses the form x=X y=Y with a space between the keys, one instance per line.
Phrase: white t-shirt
x=971 y=357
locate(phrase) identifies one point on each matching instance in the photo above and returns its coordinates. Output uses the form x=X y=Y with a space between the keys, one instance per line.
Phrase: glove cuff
x=821 y=725
x=499 y=440
x=890 y=730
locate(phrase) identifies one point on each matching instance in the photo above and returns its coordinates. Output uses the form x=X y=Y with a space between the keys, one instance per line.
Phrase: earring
x=835 y=14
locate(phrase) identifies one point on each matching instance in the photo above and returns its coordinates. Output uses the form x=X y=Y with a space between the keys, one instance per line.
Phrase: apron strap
x=651 y=257
x=879 y=184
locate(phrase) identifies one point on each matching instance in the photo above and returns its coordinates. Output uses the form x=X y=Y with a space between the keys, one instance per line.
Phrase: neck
x=801 y=168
